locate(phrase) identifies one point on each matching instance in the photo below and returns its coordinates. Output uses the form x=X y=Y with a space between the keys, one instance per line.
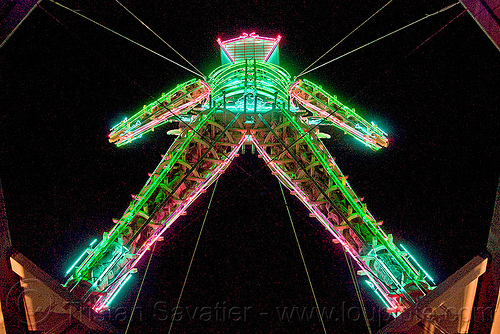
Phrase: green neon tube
x=81 y=256
x=375 y=230
x=418 y=264
x=150 y=190
x=76 y=262
x=370 y=284
x=117 y=291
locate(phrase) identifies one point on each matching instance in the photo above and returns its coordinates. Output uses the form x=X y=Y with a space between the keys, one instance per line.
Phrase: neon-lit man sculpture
x=249 y=100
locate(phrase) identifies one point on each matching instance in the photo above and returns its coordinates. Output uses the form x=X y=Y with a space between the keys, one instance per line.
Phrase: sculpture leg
x=193 y=162
x=305 y=167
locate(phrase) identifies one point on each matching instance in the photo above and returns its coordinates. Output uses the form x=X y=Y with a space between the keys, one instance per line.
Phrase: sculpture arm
x=328 y=110
x=169 y=107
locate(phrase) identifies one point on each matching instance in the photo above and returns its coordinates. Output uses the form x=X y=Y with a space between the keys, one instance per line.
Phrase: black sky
x=65 y=82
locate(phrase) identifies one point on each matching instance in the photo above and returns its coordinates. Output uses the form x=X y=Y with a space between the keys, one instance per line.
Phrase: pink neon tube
x=101 y=302
x=286 y=180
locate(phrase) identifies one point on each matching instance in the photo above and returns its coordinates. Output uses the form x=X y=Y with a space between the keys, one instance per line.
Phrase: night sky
x=65 y=82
